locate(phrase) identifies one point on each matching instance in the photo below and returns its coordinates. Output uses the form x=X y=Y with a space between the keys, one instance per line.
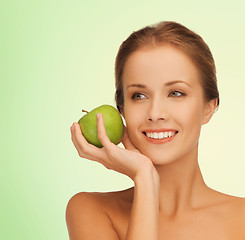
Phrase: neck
x=181 y=185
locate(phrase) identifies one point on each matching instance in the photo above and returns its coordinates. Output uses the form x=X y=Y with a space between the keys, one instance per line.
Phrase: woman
x=166 y=90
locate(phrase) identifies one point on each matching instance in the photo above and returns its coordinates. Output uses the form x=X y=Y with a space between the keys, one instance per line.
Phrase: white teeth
x=160 y=135
x=166 y=134
x=155 y=135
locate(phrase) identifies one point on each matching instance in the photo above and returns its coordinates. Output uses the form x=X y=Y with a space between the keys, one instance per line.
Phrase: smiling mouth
x=160 y=135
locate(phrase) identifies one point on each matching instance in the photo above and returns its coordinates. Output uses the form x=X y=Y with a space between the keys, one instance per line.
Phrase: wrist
x=147 y=175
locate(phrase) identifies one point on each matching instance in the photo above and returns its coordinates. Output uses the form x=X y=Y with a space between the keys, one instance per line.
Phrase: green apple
x=112 y=121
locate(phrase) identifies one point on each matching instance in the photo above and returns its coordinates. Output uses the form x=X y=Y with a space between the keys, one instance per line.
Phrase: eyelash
x=181 y=93
x=134 y=96
x=173 y=91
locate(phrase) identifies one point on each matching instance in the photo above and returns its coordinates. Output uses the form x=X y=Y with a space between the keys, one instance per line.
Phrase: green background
x=57 y=57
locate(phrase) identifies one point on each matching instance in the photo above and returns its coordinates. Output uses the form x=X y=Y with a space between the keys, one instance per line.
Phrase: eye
x=138 y=96
x=176 y=93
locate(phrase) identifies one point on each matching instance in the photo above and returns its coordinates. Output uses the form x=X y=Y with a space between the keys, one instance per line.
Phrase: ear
x=209 y=110
x=121 y=110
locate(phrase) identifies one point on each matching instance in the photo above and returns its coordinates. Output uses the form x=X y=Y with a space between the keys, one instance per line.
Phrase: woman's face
x=164 y=104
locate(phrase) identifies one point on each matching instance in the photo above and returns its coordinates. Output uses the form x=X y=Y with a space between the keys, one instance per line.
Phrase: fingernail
x=98 y=115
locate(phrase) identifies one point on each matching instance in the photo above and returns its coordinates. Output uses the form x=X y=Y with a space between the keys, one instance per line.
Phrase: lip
x=159 y=141
x=160 y=130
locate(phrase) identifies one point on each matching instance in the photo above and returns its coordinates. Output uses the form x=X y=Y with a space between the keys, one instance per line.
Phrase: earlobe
x=209 y=110
x=120 y=109
x=122 y=113
x=123 y=116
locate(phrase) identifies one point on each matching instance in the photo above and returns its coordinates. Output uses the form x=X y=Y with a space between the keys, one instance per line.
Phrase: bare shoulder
x=233 y=208
x=236 y=205
x=238 y=216
x=239 y=209
x=88 y=214
x=233 y=204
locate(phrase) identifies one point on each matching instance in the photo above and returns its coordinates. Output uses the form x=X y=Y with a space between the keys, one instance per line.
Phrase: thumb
x=102 y=136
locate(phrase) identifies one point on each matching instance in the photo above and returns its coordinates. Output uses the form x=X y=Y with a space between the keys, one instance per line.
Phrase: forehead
x=161 y=63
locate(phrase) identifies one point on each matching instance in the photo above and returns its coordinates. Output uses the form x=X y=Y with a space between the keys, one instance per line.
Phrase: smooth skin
x=170 y=199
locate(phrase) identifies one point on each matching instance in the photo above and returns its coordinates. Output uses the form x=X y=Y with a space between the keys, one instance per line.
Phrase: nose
x=157 y=111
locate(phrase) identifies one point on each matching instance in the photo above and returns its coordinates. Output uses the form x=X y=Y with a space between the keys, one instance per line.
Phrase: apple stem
x=84 y=111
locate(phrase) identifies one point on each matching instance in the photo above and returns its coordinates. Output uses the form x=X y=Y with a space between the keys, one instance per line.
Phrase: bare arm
x=144 y=219
x=143 y=222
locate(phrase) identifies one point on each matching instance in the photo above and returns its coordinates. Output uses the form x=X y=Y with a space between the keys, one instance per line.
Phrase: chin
x=162 y=161
x=159 y=158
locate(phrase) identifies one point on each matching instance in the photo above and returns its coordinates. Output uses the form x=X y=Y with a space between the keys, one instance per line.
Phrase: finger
x=88 y=150
x=85 y=149
x=77 y=137
x=102 y=136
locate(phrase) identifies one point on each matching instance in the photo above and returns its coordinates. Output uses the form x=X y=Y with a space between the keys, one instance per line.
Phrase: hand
x=128 y=161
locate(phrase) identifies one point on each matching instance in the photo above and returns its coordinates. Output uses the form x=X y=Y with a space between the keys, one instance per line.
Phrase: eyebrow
x=166 y=84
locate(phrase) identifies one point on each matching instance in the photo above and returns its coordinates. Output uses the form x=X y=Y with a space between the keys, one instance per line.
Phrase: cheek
x=130 y=120
x=191 y=113
x=133 y=114
x=191 y=124
x=133 y=118
x=133 y=132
